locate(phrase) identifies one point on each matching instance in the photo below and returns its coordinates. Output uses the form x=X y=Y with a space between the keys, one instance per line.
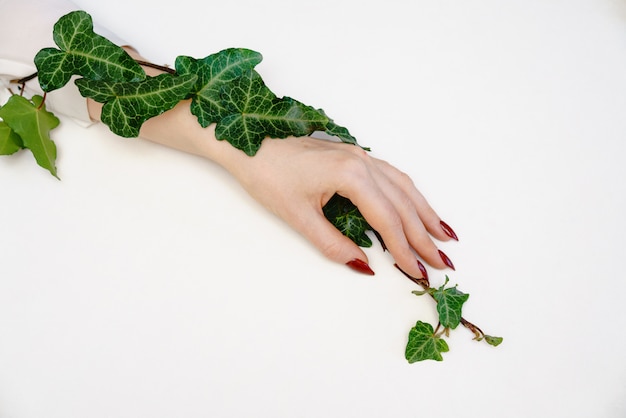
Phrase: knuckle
x=404 y=178
x=353 y=166
x=392 y=224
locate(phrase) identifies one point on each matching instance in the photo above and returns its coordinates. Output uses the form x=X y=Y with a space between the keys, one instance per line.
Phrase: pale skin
x=295 y=177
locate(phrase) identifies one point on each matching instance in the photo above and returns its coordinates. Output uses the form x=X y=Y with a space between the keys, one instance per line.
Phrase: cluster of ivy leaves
x=426 y=343
x=225 y=90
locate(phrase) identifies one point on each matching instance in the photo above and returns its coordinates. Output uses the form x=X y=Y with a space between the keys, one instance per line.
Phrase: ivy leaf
x=345 y=216
x=340 y=132
x=423 y=344
x=128 y=105
x=495 y=341
x=254 y=113
x=10 y=142
x=449 y=305
x=83 y=52
x=214 y=72
x=33 y=123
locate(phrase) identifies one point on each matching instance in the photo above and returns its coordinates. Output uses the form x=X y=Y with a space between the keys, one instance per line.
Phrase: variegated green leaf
x=345 y=216
x=83 y=52
x=449 y=305
x=423 y=344
x=254 y=113
x=214 y=72
x=128 y=105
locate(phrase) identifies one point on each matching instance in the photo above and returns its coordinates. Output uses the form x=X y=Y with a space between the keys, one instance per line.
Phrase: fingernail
x=360 y=266
x=446 y=259
x=422 y=269
x=449 y=231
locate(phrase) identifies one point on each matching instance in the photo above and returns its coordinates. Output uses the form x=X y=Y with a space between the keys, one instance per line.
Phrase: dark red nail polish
x=449 y=231
x=360 y=266
x=422 y=269
x=446 y=260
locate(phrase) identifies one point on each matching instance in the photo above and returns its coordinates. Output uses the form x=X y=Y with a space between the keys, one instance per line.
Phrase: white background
x=146 y=283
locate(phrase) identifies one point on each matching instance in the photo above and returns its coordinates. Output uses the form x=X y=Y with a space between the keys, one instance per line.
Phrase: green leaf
x=10 y=142
x=128 y=105
x=214 y=72
x=345 y=216
x=423 y=344
x=83 y=52
x=420 y=292
x=340 y=132
x=495 y=341
x=33 y=123
x=449 y=305
x=254 y=113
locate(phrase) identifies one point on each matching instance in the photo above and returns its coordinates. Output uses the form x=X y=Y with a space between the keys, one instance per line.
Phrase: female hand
x=295 y=178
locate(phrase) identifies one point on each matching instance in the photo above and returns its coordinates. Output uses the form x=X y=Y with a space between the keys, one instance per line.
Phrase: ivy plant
x=225 y=90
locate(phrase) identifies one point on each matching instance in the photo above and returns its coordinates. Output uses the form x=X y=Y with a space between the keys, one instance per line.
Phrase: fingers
x=392 y=205
x=313 y=170
x=419 y=220
x=383 y=217
x=429 y=218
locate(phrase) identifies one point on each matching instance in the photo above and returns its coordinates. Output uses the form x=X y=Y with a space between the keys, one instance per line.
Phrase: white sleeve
x=25 y=28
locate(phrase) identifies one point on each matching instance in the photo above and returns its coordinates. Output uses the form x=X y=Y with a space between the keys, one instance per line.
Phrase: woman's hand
x=295 y=178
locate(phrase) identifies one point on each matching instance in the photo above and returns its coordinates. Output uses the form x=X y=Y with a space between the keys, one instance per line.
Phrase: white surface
x=147 y=284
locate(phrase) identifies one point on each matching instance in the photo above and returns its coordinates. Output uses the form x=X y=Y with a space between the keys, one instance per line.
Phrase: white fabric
x=25 y=28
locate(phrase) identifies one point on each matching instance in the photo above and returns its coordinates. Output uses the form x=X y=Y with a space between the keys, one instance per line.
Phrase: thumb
x=330 y=241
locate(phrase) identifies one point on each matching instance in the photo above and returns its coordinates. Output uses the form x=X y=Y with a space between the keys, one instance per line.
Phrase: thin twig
x=423 y=282
x=156 y=66
x=43 y=100
x=24 y=79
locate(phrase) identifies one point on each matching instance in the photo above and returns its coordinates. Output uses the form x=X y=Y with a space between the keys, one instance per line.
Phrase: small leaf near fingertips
x=449 y=305
x=347 y=218
x=423 y=344
x=494 y=341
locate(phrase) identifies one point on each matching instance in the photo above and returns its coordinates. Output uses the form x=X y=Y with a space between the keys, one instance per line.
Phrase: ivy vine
x=225 y=90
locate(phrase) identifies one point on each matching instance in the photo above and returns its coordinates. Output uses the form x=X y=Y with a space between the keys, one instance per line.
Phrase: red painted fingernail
x=360 y=266
x=449 y=231
x=446 y=259
x=422 y=269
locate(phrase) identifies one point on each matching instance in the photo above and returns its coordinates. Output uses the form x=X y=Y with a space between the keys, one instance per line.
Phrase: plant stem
x=380 y=239
x=43 y=100
x=418 y=281
x=479 y=334
x=163 y=68
x=156 y=66
x=24 y=79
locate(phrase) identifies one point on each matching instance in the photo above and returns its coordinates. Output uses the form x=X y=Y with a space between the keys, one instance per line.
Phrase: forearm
x=179 y=129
